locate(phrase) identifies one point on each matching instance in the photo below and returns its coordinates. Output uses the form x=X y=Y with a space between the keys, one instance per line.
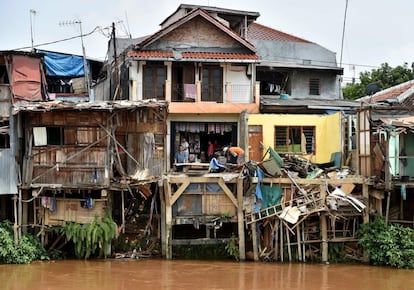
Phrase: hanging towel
x=89 y=202
x=52 y=206
x=403 y=192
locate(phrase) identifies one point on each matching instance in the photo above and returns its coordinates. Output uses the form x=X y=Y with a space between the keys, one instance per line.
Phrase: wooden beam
x=228 y=192
x=179 y=191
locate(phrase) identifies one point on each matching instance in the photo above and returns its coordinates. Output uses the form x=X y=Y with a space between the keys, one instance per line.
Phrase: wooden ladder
x=264 y=213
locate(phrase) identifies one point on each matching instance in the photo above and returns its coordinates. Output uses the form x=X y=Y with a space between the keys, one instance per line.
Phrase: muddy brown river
x=179 y=274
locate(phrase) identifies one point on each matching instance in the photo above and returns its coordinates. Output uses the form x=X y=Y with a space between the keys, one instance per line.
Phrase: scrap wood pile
x=288 y=215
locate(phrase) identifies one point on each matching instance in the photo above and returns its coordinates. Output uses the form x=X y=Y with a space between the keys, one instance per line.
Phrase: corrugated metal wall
x=8 y=176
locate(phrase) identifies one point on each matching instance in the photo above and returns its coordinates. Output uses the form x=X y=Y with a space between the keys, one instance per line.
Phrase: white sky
x=376 y=31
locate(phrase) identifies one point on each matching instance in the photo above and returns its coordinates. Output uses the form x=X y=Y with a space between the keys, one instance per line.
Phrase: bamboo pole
x=298 y=241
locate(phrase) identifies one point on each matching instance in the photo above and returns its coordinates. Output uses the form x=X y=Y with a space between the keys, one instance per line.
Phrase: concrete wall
x=329 y=85
x=327 y=131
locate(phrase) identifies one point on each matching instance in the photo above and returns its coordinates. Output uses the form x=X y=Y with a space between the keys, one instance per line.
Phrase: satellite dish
x=372 y=88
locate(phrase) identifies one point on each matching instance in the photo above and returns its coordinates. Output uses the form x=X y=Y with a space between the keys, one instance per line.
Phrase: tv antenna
x=85 y=66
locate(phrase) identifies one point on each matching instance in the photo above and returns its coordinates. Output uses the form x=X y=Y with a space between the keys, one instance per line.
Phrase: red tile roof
x=219 y=55
x=151 y=54
x=193 y=55
x=261 y=32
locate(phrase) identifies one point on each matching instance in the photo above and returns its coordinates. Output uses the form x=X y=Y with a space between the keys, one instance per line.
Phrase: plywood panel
x=71 y=210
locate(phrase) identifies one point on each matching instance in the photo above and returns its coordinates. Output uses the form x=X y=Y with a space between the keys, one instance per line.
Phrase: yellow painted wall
x=327 y=131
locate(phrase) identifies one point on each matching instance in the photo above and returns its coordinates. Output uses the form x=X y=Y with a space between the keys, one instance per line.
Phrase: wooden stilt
x=288 y=244
x=255 y=243
x=240 y=220
x=387 y=213
x=281 y=241
x=298 y=241
x=123 y=211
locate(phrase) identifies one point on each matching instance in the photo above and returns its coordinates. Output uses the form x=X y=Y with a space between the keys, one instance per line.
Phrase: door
x=255 y=142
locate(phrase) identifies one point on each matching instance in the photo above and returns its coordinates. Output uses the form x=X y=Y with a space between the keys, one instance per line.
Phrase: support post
x=240 y=220
x=324 y=228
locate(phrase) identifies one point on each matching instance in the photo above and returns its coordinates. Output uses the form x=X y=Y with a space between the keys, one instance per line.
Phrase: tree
x=385 y=77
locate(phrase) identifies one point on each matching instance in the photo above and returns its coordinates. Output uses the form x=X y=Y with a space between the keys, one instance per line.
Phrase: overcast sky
x=375 y=32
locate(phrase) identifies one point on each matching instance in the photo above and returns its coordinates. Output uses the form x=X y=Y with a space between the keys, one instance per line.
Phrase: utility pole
x=116 y=70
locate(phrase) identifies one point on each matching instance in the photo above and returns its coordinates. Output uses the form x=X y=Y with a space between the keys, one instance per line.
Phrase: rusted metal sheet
x=8 y=176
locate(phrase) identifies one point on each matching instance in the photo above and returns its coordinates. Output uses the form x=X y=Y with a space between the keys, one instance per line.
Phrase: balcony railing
x=211 y=93
x=231 y=93
x=184 y=93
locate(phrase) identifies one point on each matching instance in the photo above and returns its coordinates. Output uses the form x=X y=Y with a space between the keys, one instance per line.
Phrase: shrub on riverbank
x=388 y=244
x=92 y=237
x=26 y=251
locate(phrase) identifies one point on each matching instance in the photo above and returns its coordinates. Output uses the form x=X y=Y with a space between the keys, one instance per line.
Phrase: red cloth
x=210 y=149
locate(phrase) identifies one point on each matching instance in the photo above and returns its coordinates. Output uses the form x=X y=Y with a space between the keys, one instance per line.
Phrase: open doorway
x=197 y=134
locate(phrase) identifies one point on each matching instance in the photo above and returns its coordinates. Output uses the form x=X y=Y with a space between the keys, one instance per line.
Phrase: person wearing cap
x=235 y=154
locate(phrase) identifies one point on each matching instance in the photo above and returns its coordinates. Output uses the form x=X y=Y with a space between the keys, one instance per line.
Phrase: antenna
x=343 y=33
x=128 y=29
x=85 y=66
x=32 y=14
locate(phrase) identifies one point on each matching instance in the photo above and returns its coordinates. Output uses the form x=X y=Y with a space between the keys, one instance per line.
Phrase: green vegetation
x=385 y=77
x=388 y=244
x=232 y=247
x=89 y=238
x=26 y=251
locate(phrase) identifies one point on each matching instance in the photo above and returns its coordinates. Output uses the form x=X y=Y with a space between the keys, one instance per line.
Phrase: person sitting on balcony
x=181 y=156
x=215 y=166
x=185 y=144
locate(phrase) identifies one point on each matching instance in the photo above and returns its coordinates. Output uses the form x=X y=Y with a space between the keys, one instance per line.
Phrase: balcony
x=231 y=93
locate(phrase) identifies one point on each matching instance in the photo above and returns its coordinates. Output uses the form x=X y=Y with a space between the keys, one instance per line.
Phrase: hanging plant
x=91 y=237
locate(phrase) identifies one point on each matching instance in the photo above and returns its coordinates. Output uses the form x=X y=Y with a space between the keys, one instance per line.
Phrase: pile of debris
x=293 y=193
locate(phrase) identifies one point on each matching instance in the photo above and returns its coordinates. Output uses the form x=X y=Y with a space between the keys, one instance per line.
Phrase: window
x=212 y=84
x=296 y=139
x=314 y=86
x=4 y=79
x=155 y=75
x=54 y=136
x=4 y=134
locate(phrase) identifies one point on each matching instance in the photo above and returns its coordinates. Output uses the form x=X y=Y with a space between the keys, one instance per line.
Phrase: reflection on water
x=162 y=274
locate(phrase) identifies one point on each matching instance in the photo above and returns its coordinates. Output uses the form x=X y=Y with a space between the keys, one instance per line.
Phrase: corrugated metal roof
x=272 y=103
x=399 y=93
x=96 y=105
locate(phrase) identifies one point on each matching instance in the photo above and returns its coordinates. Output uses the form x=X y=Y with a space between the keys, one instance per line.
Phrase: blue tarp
x=63 y=65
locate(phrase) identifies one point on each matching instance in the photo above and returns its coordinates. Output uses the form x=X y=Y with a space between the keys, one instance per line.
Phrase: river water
x=184 y=274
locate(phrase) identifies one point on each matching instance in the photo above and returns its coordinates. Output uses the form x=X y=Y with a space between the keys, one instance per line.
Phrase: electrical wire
x=61 y=40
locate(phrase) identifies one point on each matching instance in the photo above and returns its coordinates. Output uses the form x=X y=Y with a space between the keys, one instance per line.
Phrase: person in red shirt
x=210 y=150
